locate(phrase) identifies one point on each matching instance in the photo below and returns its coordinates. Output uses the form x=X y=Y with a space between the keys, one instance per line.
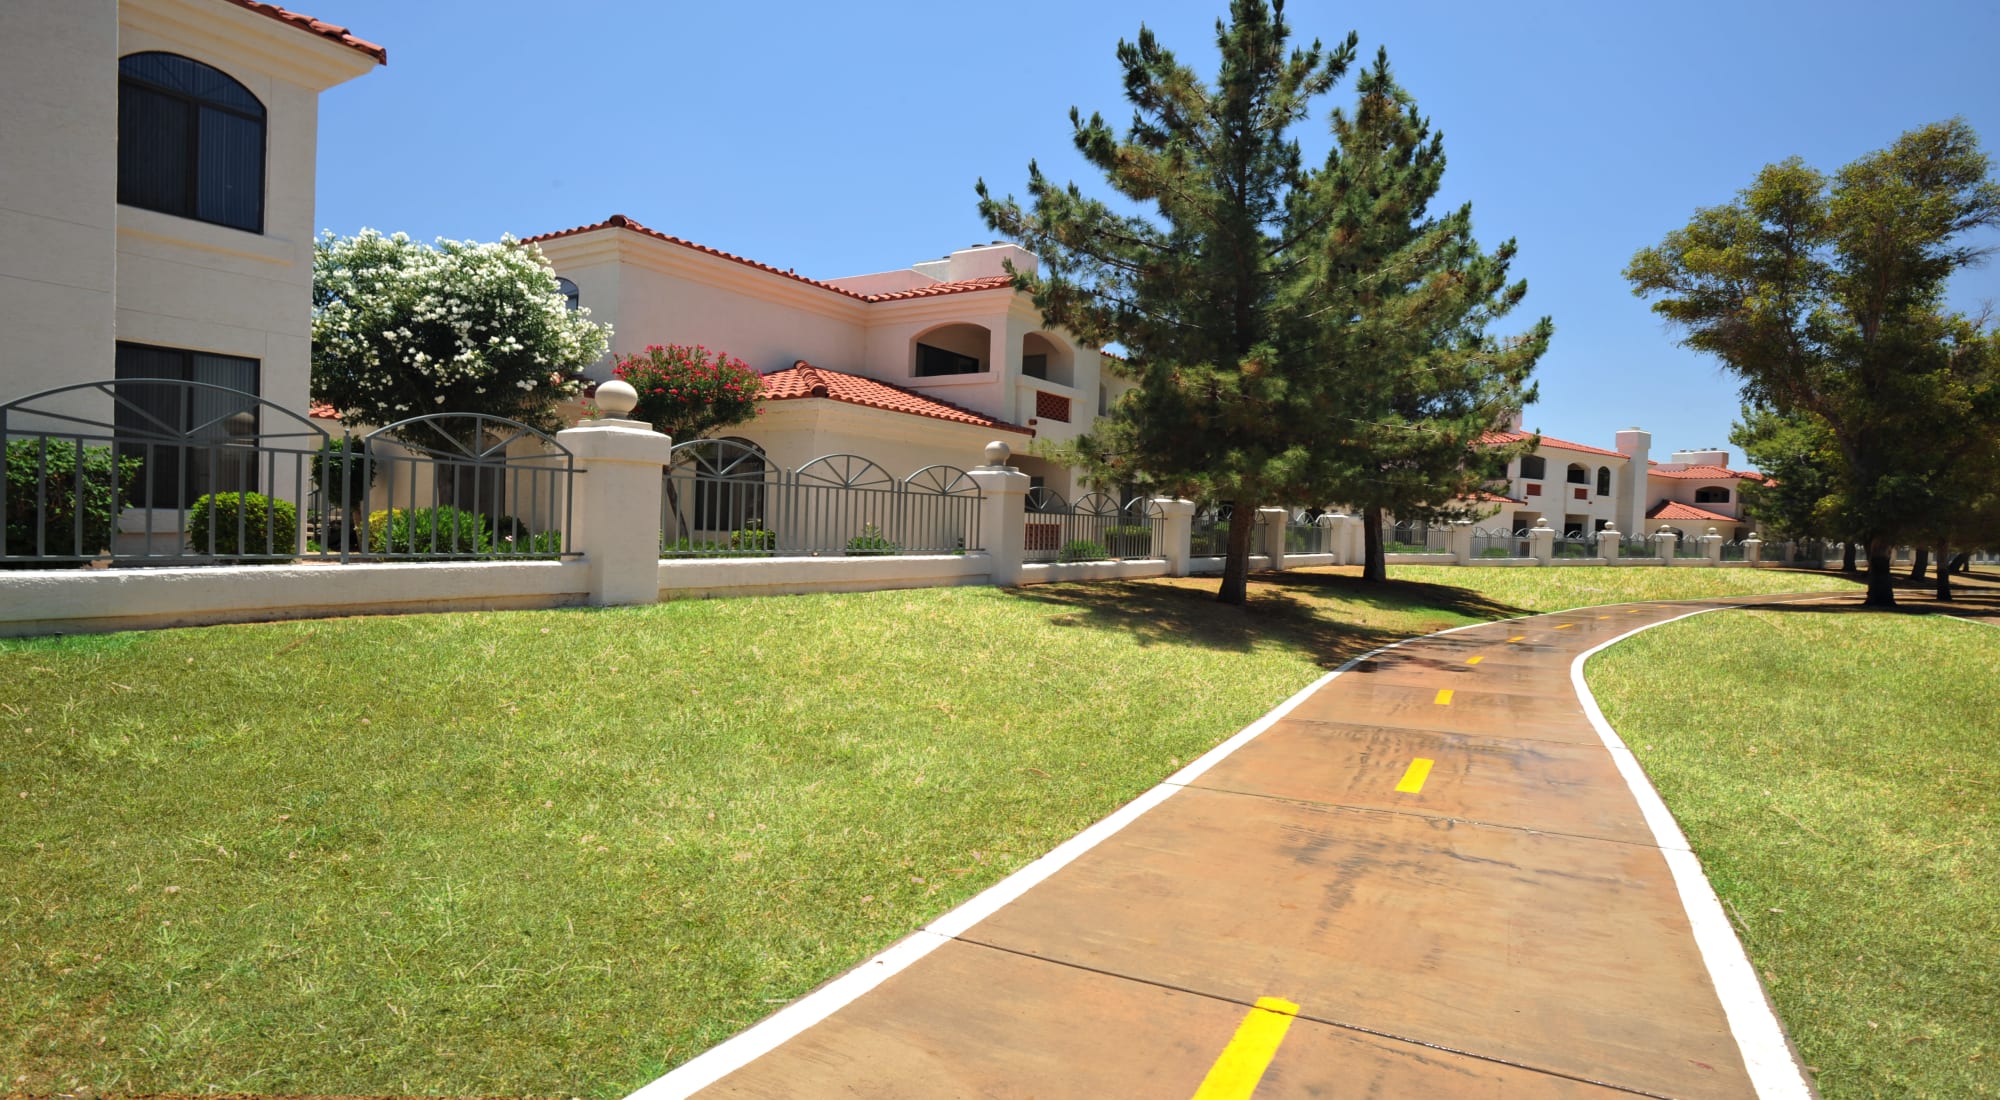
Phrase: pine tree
x=1400 y=306
x=1204 y=286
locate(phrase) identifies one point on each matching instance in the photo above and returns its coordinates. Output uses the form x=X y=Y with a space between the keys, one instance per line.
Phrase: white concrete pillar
x=1607 y=542
x=1176 y=533
x=1274 y=520
x=1663 y=544
x=616 y=522
x=1542 y=541
x=1002 y=526
x=1348 y=544
x=1753 y=549
x=1711 y=547
x=1458 y=539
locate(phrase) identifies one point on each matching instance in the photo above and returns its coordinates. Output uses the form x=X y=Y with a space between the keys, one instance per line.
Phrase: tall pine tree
x=1203 y=287
x=1399 y=305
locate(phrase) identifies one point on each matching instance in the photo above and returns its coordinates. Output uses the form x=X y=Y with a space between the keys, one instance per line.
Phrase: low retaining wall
x=1050 y=572
x=682 y=578
x=60 y=601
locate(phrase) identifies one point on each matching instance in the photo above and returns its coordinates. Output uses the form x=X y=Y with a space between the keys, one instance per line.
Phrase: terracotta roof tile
x=1674 y=509
x=320 y=410
x=324 y=30
x=1705 y=473
x=1495 y=439
x=620 y=221
x=1485 y=497
x=802 y=379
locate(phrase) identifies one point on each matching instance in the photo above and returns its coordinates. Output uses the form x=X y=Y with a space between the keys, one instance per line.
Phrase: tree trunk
x=1374 y=562
x=1881 y=578
x=1961 y=562
x=1943 y=573
x=1847 y=563
x=1920 y=563
x=1236 y=561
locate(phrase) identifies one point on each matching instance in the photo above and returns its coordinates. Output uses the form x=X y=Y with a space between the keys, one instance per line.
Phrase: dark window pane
x=229 y=183
x=189 y=440
x=170 y=71
x=932 y=361
x=153 y=143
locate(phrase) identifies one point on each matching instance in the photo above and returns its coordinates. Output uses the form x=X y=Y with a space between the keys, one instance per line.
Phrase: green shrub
x=412 y=531
x=334 y=491
x=1133 y=540
x=754 y=538
x=1082 y=550
x=524 y=541
x=243 y=524
x=871 y=541
x=57 y=477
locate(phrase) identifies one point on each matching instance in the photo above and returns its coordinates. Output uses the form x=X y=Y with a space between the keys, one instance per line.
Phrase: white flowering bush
x=401 y=329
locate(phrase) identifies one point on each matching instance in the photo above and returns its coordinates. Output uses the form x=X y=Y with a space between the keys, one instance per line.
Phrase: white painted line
x=761 y=1038
x=1767 y=1054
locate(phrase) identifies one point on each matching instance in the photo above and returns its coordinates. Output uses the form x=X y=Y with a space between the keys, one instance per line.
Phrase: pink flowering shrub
x=688 y=392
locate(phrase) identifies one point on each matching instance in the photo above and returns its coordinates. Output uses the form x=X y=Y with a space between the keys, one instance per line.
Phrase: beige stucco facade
x=80 y=271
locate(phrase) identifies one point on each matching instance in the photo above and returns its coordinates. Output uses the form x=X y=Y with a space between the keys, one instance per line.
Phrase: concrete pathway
x=1430 y=873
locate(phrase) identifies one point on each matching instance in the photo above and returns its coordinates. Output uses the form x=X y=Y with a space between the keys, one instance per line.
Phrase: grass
x=556 y=853
x=1835 y=772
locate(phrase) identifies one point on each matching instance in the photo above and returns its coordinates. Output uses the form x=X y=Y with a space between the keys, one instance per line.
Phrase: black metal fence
x=1304 y=534
x=1093 y=528
x=1208 y=533
x=721 y=498
x=168 y=472
x=1499 y=542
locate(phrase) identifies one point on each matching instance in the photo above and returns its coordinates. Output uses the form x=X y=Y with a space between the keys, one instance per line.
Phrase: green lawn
x=556 y=853
x=1836 y=773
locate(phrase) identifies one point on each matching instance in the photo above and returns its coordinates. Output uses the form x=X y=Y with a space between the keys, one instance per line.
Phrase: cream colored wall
x=58 y=193
x=185 y=283
x=1558 y=497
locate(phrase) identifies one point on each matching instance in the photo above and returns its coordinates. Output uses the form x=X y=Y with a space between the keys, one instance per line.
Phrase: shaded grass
x=556 y=853
x=1835 y=772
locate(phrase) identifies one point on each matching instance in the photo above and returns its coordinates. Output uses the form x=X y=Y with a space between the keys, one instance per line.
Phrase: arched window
x=1534 y=467
x=571 y=297
x=1711 y=494
x=190 y=141
x=1604 y=481
x=1578 y=475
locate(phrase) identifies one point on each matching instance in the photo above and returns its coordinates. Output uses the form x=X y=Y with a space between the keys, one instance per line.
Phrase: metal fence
x=1208 y=534
x=1689 y=546
x=1413 y=537
x=1093 y=528
x=1735 y=550
x=168 y=472
x=1575 y=546
x=1499 y=542
x=1304 y=534
x=721 y=498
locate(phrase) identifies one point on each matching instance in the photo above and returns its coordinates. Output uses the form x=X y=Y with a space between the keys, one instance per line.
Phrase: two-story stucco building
x=1579 y=488
x=906 y=368
x=157 y=162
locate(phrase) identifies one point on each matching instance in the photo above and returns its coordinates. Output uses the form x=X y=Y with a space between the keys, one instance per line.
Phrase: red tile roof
x=324 y=30
x=1484 y=497
x=1706 y=473
x=1674 y=509
x=620 y=221
x=1496 y=439
x=802 y=379
x=320 y=410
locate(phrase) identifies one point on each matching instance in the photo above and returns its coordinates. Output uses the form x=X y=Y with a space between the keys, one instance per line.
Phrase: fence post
x=1458 y=540
x=1542 y=541
x=1275 y=520
x=1004 y=504
x=1753 y=549
x=1176 y=533
x=1607 y=542
x=1663 y=544
x=617 y=519
x=1335 y=523
x=1711 y=547
x=1348 y=538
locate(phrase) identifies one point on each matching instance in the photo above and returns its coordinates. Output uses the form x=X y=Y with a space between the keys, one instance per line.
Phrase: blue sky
x=838 y=139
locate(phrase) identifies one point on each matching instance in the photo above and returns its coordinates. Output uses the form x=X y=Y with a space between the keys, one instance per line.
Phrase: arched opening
x=1047 y=359
x=572 y=298
x=190 y=141
x=1578 y=475
x=1604 y=481
x=951 y=349
x=1711 y=494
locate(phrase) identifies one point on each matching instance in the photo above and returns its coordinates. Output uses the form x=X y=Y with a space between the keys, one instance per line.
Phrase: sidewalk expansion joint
x=1327 y=1021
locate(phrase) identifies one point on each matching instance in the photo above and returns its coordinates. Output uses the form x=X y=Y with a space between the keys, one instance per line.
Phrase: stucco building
x=1577 y=487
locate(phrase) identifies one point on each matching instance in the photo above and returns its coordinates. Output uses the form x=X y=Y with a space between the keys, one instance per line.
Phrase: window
x=1604 y=481
x=1534 y=467
x=1578 y=475
x=934 y=361
x=571 y=297
x=190 y=142
x=1711 y=494
x=1103 y=400
x=189 y=441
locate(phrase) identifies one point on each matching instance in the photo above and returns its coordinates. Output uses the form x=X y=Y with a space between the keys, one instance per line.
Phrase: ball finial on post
x=997 y=452
x=616 y=399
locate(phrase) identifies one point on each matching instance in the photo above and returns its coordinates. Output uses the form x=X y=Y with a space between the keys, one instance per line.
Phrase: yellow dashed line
x=1234 y=1076
x=1565 y=626
x=1444 y=697
x=1474 y=660
x=1517 y=637
x=1413 y=779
